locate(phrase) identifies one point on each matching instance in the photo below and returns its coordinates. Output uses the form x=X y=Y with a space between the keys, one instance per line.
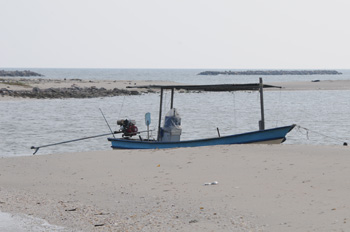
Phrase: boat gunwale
x=202 y=140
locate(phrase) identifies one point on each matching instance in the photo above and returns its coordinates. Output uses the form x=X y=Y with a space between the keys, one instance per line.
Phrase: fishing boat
x=168 y=136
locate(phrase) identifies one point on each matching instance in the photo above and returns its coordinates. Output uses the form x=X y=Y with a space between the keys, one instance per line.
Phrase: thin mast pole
x=160 y=113
x=172 y=98
x=262 y=121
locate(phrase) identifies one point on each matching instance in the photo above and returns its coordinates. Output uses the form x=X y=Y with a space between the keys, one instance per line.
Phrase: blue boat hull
x=274 y=135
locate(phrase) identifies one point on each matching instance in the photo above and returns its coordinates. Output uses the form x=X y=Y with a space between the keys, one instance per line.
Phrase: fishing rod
x=107 y=122
x=74 y=140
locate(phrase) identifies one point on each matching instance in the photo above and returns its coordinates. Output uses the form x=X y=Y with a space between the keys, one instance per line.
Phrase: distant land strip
x=272 y=72
x=25 y=73
x=60 y=93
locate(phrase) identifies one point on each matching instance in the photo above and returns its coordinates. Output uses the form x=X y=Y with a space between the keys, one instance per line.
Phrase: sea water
x=27 y=123
x=40 y=122
x=25 y=223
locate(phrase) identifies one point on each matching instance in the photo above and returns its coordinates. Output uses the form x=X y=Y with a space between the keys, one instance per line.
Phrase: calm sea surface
x=27 y=123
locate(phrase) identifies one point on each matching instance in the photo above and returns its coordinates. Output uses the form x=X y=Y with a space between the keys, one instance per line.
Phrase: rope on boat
x=234 y=110
x=277 y=106
x=300 y=128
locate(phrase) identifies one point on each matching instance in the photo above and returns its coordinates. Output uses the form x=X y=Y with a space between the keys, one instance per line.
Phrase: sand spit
x=25 y=88
x=313 y=85
x=78 y=88
x=43 y=83
x=260 y=188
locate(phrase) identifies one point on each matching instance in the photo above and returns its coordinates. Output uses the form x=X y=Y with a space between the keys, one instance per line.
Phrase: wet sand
x=260 y=188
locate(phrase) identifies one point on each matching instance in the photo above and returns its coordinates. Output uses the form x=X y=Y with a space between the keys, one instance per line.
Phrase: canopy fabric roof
x=212 y=88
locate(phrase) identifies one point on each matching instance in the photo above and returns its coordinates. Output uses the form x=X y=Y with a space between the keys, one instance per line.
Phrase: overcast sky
x=228 y=34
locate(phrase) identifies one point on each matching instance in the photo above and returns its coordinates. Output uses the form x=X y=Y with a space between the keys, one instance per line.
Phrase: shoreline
x=260 y=188
x=78 y=88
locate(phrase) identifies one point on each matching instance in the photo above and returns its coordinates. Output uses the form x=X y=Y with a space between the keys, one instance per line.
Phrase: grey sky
x=226 y=34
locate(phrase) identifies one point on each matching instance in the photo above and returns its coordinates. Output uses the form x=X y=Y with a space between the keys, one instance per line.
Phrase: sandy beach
x=259 y=188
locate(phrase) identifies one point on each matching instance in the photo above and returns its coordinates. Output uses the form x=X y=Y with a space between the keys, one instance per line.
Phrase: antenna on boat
x=107 y=122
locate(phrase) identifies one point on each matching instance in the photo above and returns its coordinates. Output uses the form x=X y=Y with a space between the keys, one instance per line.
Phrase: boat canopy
x=211 y=88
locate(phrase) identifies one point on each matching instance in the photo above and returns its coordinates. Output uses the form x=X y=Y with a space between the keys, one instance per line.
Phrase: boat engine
x=128 y=127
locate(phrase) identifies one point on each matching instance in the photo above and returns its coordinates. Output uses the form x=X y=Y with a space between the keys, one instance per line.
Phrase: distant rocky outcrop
x=272 y=72
x=74 y=92
x=25 y=73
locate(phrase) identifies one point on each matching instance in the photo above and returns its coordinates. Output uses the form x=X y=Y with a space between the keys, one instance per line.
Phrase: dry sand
x=260 y=188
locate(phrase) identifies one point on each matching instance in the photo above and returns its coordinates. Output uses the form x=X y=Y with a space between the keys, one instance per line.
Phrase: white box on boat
x=172 y=135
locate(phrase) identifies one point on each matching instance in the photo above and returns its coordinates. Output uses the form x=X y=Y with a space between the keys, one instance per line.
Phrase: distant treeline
x=25 y=73
x=273 y=72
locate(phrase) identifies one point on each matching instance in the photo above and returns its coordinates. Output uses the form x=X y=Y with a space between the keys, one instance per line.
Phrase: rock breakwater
x=73 y=92
x=25 y=73
x=272 y=72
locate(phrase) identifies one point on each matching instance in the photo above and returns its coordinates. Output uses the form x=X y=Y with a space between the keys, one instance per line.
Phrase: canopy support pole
x=160 y=113
x=172 y=98
x=262 y=121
